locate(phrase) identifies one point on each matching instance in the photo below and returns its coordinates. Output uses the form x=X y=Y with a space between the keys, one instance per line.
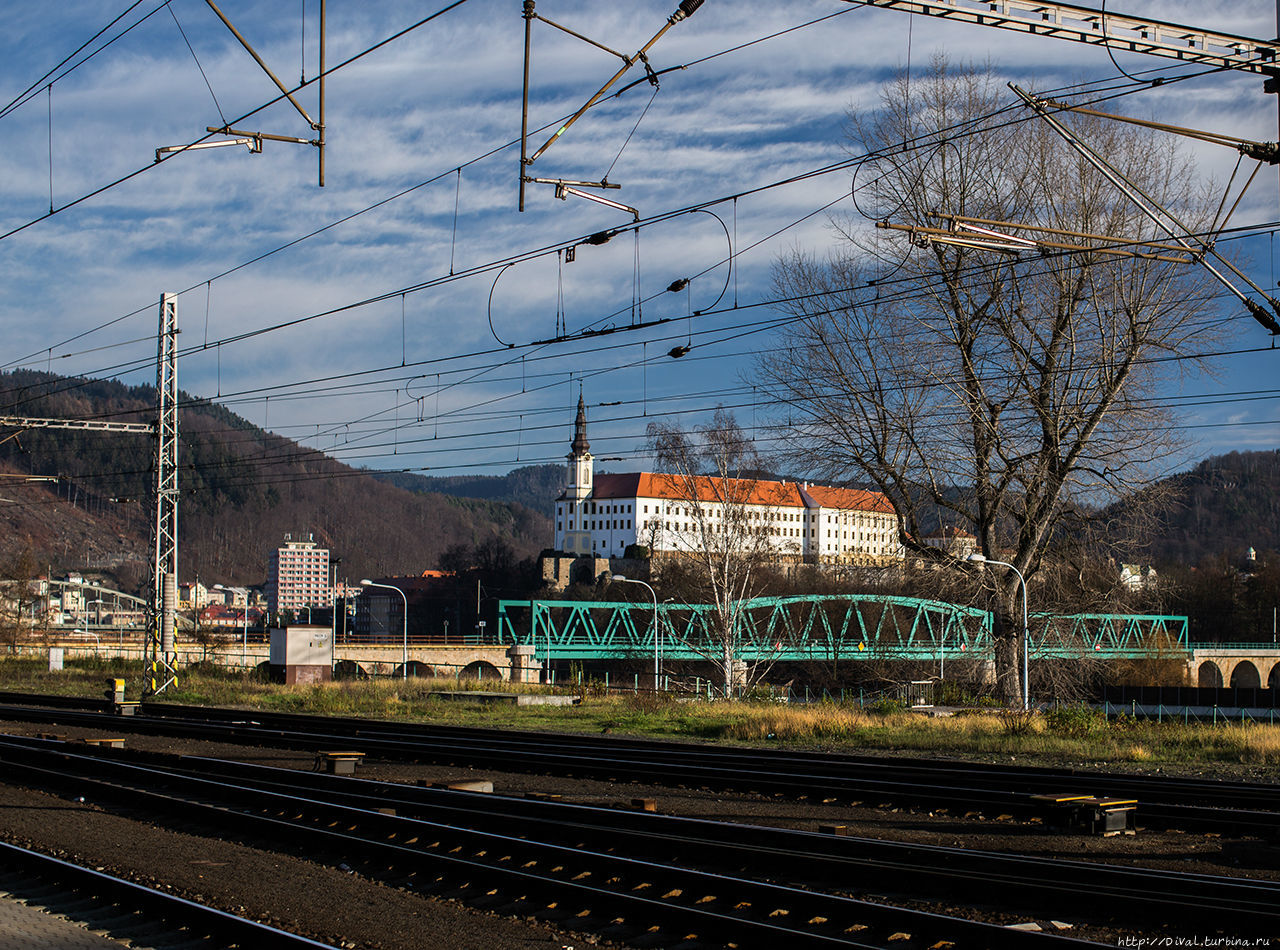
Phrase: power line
x=284 y=95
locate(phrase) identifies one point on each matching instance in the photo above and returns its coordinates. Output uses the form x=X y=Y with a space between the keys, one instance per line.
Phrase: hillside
x=534 y=486
x=1225 y=505
x=242 y=490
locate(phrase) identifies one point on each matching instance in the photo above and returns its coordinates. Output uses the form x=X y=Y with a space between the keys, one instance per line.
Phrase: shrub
x=1018 y=722
x=1078 y=722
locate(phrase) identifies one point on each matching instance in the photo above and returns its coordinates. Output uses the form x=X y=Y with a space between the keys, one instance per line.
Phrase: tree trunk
x=1006 y=634
x=726 y=662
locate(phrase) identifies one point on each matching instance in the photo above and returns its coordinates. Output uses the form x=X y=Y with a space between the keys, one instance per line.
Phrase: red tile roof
x=849 y=498
x=757 y=492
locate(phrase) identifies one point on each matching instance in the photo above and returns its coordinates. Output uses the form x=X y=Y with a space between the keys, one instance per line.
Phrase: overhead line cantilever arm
x=1268 y=152
x=585 y=39
x=1041 y=229
x=1161 y=217
x=686 y=9
x=225 y=130
x=258 y=59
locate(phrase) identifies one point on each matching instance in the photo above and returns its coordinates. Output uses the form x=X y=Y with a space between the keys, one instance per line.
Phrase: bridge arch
x=349 y=670
x=1209 y=675
x=1273 y=678
x=480 y=670
x=1244 y=675
x=415 y=668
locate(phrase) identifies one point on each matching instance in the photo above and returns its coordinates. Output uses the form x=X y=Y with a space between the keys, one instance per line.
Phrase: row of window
x=612 y=525
x=590 y=508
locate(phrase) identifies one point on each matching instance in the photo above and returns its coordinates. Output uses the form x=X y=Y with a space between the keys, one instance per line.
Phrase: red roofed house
x=601 y=515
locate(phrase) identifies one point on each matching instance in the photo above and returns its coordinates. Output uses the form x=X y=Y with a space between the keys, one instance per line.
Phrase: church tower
x=580 y=475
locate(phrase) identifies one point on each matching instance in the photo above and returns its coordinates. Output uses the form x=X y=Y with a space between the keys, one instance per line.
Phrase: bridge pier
x=523 y=667
x=1246 y=665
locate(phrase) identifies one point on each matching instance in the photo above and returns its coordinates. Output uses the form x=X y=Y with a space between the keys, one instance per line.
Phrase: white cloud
x=421 y=107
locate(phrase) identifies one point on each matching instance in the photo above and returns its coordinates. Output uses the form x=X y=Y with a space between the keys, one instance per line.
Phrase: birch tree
x=1008 y=390
x=712 y=523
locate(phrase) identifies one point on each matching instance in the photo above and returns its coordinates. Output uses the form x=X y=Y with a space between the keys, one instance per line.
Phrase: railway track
x=1199 y=805
x=517 y=865
x=144 y=916
x=685 y=874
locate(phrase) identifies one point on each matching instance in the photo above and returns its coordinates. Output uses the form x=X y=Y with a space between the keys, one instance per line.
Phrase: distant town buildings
x=443 y=608
x=954 y=541
x=604 y=515
x=298 y=576
x=222 y=617
x=192 y=596
x=1138 y=576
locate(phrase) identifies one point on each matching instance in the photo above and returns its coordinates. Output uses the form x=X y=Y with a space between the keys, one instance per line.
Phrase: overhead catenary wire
x=129 y=176
x=403 y=192
x=546 y=249
x=49 y=78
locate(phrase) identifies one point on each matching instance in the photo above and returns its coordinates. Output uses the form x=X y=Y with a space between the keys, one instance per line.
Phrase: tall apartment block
x=298 y=576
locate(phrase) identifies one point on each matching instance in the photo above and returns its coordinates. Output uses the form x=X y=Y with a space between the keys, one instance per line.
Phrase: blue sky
x=417 y=378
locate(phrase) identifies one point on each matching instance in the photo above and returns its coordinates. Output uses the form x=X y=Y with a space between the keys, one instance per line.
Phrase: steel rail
x=1163 y=789
x=1033 y=884
x=1150 y=788
x=133 y=905
x=804 y=856
x=429 y=855
x=1202 y=805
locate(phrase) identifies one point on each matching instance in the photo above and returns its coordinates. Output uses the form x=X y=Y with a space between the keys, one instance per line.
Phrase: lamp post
x=244 y=644
x=404 y=663
x=333 y=611
x=976 y=558
x=657 y=633
x=97 y=612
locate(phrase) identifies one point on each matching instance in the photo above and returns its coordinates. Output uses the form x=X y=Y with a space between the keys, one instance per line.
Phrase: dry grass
x=1068 y=735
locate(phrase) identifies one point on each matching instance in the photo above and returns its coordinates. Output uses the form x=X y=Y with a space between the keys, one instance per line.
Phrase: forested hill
x=1225 y=505
x=535 y=486
x=242 y=490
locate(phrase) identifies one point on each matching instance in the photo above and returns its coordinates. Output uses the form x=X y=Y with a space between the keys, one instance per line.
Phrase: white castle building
x=602 y=515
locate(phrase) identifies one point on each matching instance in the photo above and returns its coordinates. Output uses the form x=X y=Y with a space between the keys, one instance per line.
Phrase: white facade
x=298 y=576
x=603 y=515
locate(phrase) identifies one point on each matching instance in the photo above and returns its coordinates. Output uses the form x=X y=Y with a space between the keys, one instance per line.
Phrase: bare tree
x=715 y=524
x=1007 y=390
x=23 y=606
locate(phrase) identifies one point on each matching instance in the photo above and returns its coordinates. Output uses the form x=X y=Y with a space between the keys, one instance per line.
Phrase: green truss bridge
x=824 y=628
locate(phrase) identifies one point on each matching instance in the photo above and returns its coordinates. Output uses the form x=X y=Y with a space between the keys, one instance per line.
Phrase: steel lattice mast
x=161 y=657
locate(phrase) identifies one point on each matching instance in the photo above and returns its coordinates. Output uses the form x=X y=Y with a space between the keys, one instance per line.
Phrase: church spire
x=580 y=445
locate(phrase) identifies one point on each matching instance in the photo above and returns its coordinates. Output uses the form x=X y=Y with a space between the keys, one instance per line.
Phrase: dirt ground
x=346 y=909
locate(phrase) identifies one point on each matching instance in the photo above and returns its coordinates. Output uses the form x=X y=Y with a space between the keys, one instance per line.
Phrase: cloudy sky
x=374 y=318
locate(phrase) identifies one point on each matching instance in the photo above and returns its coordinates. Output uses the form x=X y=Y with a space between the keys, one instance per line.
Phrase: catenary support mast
x=161 y=657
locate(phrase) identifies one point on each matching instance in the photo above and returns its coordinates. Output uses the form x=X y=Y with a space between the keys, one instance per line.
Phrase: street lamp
x=657 y=670
x=976 y=558
x=333 y=611
x=404 y=664
x=244 y=648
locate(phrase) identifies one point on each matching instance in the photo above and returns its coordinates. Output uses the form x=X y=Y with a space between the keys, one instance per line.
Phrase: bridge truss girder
x=825 y=628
